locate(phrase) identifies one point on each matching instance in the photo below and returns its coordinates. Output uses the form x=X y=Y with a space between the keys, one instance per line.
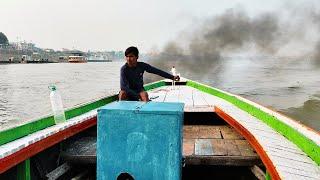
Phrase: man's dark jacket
x=131 y=78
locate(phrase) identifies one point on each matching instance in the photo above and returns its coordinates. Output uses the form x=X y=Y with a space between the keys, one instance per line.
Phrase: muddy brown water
x=288 y=86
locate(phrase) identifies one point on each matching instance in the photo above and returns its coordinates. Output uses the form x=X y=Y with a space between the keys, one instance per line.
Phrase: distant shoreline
x=29 y=62
x=36 y=62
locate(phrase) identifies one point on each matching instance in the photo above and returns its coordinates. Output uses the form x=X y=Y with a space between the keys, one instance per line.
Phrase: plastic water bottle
x=56 y=104
x=174 y=73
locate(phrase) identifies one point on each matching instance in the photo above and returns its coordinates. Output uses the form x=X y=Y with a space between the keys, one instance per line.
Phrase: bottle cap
x=52 y=87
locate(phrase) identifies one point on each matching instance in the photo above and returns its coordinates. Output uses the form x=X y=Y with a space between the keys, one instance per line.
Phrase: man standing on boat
x=131 y=76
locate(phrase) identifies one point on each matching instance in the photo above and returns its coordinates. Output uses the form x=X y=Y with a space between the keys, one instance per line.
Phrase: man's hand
x=176 y=78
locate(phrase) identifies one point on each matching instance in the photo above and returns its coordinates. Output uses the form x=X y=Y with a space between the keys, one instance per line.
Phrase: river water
x=291 y=87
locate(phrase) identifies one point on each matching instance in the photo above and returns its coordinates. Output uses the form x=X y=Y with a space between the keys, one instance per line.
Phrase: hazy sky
x=113 y=24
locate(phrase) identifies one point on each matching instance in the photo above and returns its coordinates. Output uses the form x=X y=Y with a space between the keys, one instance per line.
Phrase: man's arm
x=124 y=85
x=151 y=69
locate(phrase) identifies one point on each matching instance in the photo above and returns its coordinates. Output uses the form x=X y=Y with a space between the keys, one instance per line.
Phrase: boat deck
x=217 y=145
x=209 y=144
x=226 y=147
x=194 y=100
x=284 y=159
x=212 y=144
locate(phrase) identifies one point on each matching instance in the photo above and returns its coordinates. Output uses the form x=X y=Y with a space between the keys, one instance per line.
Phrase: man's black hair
x=133 y=50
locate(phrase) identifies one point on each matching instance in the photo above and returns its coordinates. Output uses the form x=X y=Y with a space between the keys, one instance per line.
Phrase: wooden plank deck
x=202 y=145
x=215 y=145
x=205 y=145
x=280 y=155
x=284 y=158
x=195 y=100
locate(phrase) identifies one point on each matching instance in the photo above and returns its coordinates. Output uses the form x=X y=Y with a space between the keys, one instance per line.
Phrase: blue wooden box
x=141 y=139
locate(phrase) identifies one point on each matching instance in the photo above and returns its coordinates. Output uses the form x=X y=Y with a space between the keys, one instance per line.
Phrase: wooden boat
x=224 y=136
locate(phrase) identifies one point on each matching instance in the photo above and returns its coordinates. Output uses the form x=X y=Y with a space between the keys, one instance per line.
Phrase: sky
x=114 y=24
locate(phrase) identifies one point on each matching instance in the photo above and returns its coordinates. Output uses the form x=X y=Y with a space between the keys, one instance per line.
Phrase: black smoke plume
x=219 y=37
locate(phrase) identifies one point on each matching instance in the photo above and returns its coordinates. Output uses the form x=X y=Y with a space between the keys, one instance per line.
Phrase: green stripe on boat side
x=34 y=126
x=154 y=85
x=88 y=107
x=42 y=123
x=20 y=131
x=304 y=143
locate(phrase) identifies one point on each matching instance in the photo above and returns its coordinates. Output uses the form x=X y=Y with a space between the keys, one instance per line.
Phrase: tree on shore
x=3 y=39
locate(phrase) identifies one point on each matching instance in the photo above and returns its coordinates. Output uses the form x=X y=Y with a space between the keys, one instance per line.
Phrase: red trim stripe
x=252 y=140
x=27 y=152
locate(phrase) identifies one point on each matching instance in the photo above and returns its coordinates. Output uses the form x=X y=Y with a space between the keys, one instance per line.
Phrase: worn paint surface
x=307 y=145
x=142 y=139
